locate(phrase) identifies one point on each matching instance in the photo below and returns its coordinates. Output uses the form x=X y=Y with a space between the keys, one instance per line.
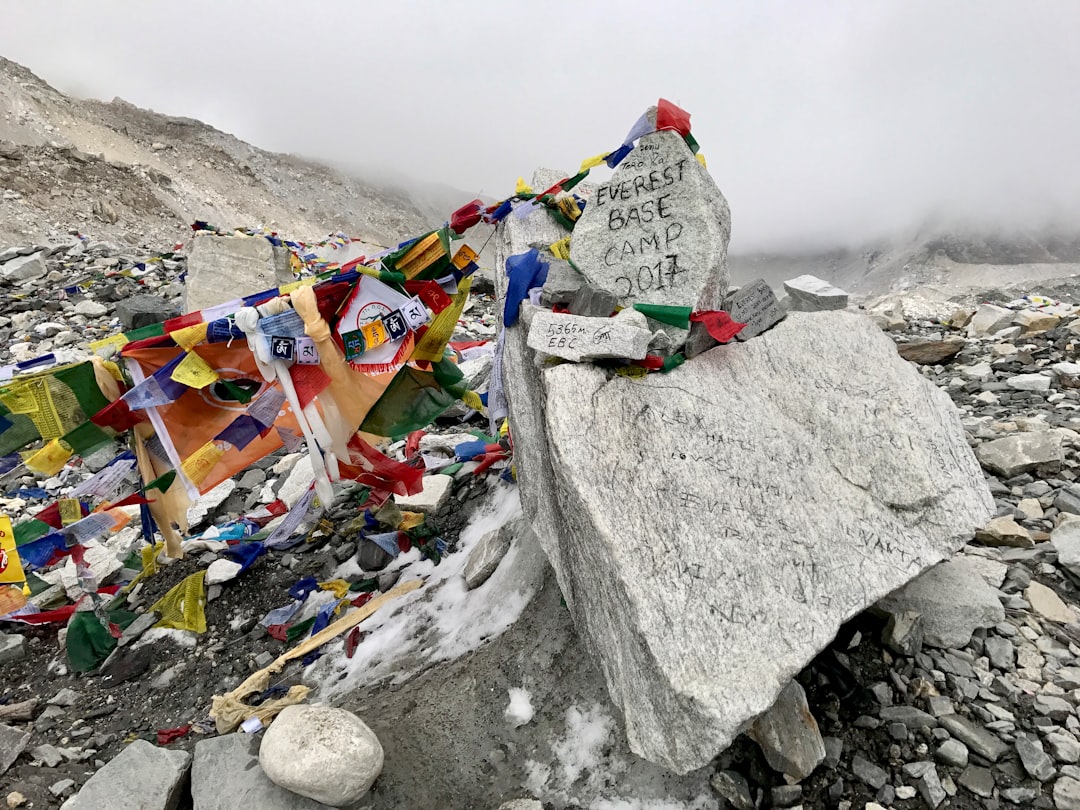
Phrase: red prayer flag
x=668 y=116
x=466 y=216
x=719 y=324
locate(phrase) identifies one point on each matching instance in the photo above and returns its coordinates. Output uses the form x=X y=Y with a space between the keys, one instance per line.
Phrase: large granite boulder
x=222 y=268
x=658 y=231
x=711 y=528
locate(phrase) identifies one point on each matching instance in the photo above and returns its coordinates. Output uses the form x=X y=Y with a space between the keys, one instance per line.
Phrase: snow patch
x=441 y=621
x=520 y=711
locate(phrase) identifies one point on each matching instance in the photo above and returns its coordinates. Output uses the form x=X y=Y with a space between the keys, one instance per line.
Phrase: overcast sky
x=823 y=122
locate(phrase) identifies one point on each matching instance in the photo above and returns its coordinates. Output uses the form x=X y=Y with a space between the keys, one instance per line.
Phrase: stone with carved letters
x=658 y=231
x=711 y=528
x=578 y=338
x=756 y=305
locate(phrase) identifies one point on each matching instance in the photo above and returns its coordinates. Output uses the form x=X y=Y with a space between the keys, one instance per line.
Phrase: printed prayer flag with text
x=199 y=416
x=370 y=301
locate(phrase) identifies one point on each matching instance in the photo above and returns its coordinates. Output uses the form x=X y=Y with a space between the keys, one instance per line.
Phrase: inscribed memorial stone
x=711 y=528
x=578 y=338
x=658 y=231
x=754 y=304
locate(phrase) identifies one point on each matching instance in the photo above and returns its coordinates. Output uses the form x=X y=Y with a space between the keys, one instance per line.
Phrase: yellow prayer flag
x=374 y=334
x=199 y=464
x=432 y=345
x=410 y=520
x=464 y=257
x=293 y=286
x=523 y=187
x=190 y=336
x=421 y=256
x=10 y=565
x=116 y=341
x=561 y=249
x=194 y=372
x=701 y=159
x=472 y=400
x=339 y=587
x=595 y=160
x=70 y=511
x=50 y=459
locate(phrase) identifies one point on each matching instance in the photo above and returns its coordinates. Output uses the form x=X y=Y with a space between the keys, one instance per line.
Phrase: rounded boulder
x=326 y=754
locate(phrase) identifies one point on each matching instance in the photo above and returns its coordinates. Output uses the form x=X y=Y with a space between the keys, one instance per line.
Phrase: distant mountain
x=118 y=172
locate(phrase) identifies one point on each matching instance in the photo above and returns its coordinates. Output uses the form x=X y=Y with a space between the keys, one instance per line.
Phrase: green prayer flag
x=678 y=317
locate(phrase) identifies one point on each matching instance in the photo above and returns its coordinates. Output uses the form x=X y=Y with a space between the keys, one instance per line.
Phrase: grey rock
x=1067 y=793
x=953 y=599
x=577 y=338
x=931 y=352
x=788 y=734
x=989 y=320
x=1001 y=652
x=486 y=555
x=134 y=630
x=141 y=777
x=786 y=795
x=909 y=716
x=563 y=281
x=225 y=775
x=62 y=786
x=1024 y=452
x=1052 y=706
x=811 y=294
x=732 y=786
x=979 y=781
x=1004 y=531
x=593 y=302
x=137 y=311
x=12 y=743
x=326 y=754
x=24 y=268
x=952 y=752
x=65 y=697
x=939 y=705
x=859 y=511
x=12 y=647
x=929 y=787
x=903 y=632
x=1020 y=795
x=868 y=772
x=521 y=804
x=1063 y=747
x=657 y=232
x=1029 y=382
x=92 y=309
x=1035 y=761
x=834 y=748
x=1066 y=542
x=222 y=268
x=979 y=740
x=47 y=755
x=1068 y=500
x=754 y=304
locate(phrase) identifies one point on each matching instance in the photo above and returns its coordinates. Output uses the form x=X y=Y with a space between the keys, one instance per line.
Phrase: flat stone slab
x=711 y=528
x=756 y=305
x=812 y=294
x=658 y=231
x=579 y=338
x=221 y=268
x=141 y=777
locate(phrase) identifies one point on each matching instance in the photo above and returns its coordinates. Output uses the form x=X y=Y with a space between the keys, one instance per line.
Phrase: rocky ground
x=962 y=696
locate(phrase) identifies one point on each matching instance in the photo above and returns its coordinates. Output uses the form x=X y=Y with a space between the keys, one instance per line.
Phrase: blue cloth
x=466 y=451
x=245 y=554
x=38 y=552
x=387 y=541
x=525 y=271
x=302 y=588
x=616 y=157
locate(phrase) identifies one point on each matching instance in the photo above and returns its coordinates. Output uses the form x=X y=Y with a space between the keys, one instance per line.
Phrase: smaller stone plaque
x=756 y=305
x=579 y=338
